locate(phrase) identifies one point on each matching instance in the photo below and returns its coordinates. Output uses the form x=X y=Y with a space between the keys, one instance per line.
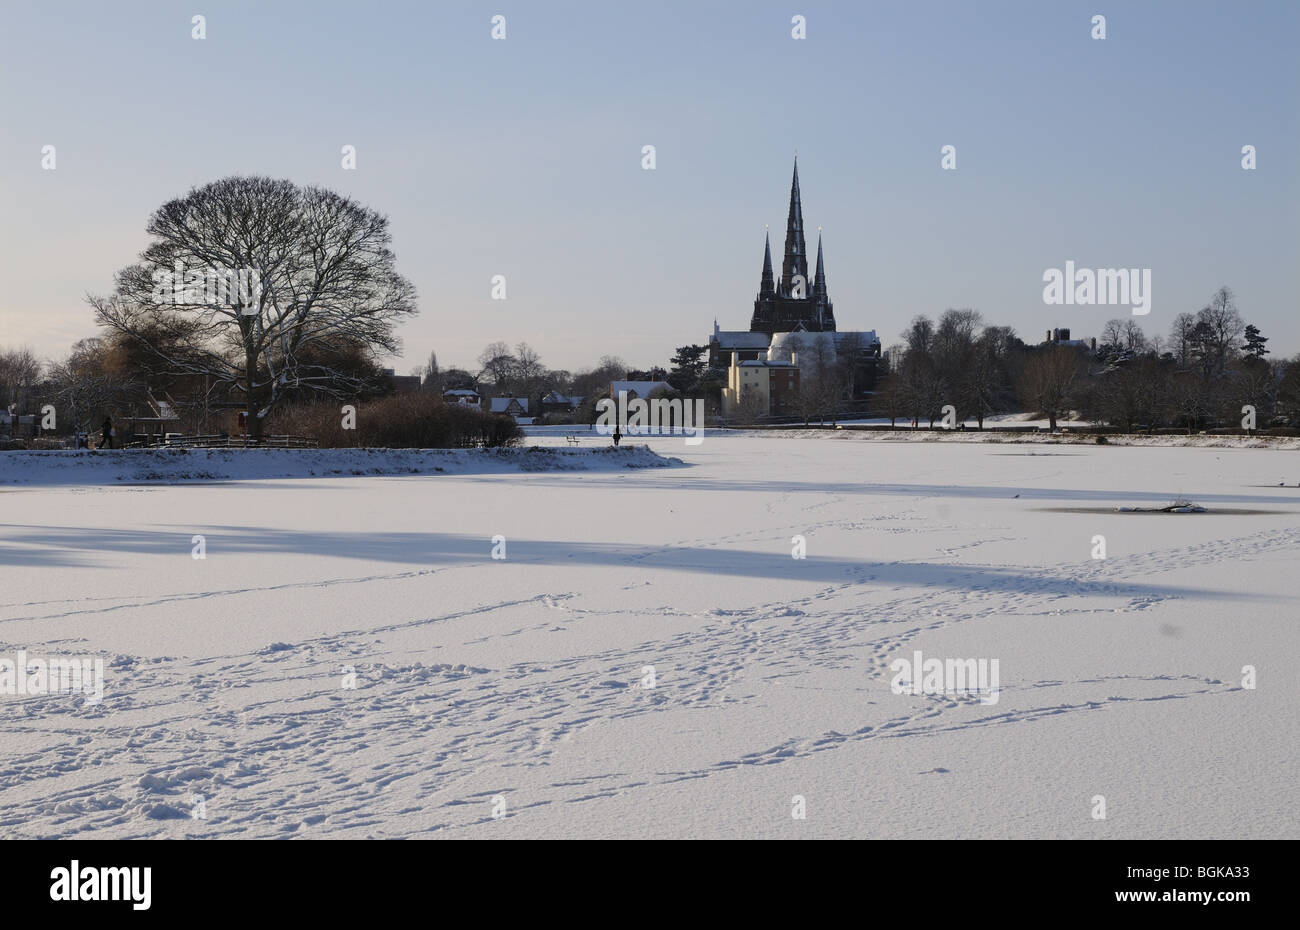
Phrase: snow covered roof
x=502 y=404
x=460 y=392
x=741 y=339
x=555 y=397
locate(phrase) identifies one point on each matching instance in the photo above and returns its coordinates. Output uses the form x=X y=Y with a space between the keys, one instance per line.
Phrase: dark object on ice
x=106 y=434
x=1103 y=441
x=1179 y=506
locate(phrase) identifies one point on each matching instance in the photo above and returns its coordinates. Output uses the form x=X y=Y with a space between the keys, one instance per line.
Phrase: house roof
x=555 y=397
x=460 y=392
x=741 y=339
x=501 y=404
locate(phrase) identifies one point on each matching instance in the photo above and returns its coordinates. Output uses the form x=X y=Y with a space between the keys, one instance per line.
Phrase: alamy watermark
x=1125 y=287
x=657 y=416
x=24 y=675
x=215 y=286
x=953 y=677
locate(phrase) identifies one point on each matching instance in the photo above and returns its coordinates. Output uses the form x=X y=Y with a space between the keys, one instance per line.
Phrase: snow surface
x=521 y=678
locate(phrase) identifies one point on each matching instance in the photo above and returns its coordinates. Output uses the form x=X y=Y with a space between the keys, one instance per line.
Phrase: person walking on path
x=106 y=434
x=617 y=435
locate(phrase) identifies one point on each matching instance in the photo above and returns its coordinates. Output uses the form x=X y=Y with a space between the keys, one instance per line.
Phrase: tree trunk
x=250 y=376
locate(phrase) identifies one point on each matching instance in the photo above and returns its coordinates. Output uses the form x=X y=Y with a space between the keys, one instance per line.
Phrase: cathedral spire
x=796 y=253
x=819 y=280
x=768 y=285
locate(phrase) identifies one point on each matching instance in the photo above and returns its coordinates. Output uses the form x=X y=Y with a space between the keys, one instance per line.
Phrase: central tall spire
x=796 y=253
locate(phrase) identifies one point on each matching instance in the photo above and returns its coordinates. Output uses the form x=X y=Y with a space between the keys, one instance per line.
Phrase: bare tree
x=1288 y=390
x=919 y=335
x=1193 y=398
x=497 y=365
x=982 y=381
x=1135 y=393
x=1112 y=334
x=954 y=352
x=890 y=398
x=529 y=370
x=85 y=384
x=1134 y=340
x=318 y=272
x=20 y=370
x=750 y=409
x=1180 y=338
x=1050 y=380
x=849 y=353
x=1222 y=326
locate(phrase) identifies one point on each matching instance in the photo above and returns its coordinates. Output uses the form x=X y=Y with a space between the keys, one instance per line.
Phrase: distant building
x=1061 y=337
x=555 y=402
x=164 y=419
x=642 y=389
x=463 y=396
x=793 y=307
x=727 y=342
x=513 y=406
x=402 y=384
x=767 y=388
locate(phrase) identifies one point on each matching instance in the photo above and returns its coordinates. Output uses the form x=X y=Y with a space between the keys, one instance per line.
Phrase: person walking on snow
x=106 y=434
x=617 y=435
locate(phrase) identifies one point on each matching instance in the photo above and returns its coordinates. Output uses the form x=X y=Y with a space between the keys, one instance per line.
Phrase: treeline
x=114 y=376
x=1211 y=365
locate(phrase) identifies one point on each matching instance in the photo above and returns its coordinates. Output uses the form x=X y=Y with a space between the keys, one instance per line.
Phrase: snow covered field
x=517 y=686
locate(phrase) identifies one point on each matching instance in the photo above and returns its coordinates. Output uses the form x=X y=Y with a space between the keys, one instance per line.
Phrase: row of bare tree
x=1211 y=367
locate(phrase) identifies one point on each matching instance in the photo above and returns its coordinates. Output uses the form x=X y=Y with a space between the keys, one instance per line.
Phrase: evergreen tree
x=1255 y=342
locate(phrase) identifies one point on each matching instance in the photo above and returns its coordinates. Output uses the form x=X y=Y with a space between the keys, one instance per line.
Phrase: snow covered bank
x=167 y=465
x=902 y=434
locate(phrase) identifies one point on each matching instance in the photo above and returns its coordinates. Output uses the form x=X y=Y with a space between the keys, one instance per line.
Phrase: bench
x=571 y=439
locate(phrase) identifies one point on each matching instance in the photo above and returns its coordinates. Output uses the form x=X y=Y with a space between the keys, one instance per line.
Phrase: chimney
x=1049 y=336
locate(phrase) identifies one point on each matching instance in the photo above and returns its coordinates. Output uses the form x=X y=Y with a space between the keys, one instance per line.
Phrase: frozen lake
x=519 y=686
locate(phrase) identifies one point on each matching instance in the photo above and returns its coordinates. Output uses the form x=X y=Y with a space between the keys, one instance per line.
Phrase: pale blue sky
x=522 y=157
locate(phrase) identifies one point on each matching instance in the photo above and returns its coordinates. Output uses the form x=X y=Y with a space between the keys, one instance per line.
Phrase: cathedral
x=791 y=305
x=794 y=311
